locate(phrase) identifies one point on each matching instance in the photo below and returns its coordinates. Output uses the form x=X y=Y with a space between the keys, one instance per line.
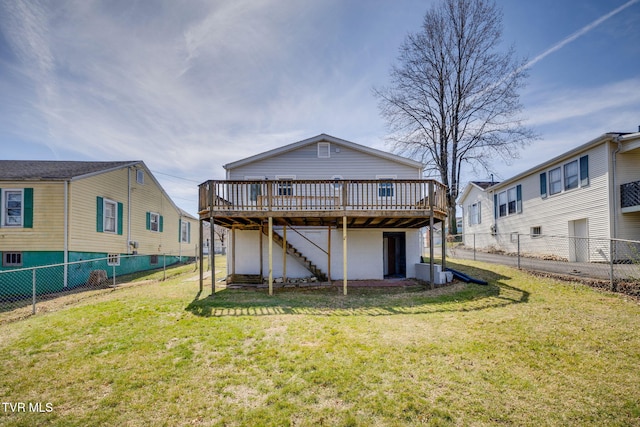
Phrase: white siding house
x=592 y=191
x=314 y=191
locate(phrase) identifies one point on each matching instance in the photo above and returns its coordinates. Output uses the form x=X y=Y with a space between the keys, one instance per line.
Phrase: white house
x=592 y=191
x=321 y=195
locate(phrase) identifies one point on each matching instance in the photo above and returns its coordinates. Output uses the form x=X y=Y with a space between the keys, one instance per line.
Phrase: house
x=317 y=197
x=589 y=192
x=54 y=212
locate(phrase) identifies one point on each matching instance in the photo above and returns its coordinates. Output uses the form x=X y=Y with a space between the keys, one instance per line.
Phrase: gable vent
x=324 y=150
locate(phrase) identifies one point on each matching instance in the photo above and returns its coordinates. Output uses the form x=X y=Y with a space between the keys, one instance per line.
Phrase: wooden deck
x=363 y=203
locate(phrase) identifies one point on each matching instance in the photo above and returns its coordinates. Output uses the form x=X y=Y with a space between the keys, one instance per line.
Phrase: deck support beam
x=284 y=254
x=270 y=255
x=212 y=253
x=344 y=255
x=329 y=253
x=201 y=255
x=431 y=251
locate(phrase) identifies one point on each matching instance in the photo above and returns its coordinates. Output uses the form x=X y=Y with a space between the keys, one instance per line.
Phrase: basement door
x=579 y=240
x=394 y=251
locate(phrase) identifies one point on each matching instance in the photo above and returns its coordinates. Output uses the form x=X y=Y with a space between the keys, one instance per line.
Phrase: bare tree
x=453 y=99
x=221 y=233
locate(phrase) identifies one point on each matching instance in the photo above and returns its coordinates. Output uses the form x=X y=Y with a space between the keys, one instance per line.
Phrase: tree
x=453 y=99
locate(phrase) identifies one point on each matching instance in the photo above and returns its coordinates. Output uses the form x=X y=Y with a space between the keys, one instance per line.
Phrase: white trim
x=3 y=208
x=321 y=147
x=104 y=216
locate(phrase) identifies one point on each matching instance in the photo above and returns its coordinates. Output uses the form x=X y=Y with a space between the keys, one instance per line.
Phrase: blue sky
x=190 y=86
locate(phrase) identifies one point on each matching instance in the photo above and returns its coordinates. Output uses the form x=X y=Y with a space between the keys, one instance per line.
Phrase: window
x=185 y=232
x=12 y=208
x=536 y=232
x=502 y=203
x=543 y=185
x=555 y=181
x=324 y=150
x=511 y=196
x=337 y=185
x=474 y=213
x=509 y=202
x=113 y=259
x=140 y=176
x=584 y=171
x=385 y=186
x=153 y=259
x=571 y=175
x=110 y=216
x=255 y=189
x=154 y=221
x=285 y=186
x=12 y=259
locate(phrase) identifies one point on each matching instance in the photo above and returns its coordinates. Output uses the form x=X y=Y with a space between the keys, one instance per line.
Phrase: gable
x=324 y=157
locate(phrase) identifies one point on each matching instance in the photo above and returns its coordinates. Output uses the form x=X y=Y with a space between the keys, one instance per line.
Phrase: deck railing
x=322 y=195
x=630 y=194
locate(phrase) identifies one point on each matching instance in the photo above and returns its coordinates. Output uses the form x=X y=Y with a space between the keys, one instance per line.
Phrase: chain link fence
x=615 y=262
x=21 y=289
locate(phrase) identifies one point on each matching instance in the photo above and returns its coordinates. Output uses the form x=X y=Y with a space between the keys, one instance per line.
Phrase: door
x=579 y=240
x=394 y=254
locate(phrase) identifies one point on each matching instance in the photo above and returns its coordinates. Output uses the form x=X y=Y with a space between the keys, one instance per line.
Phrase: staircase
x=295 y=253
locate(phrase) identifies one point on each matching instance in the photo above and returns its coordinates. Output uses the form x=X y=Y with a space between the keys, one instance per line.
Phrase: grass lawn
x=523 y=351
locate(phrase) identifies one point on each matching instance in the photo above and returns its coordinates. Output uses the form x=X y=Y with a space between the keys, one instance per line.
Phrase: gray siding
x=305 y=164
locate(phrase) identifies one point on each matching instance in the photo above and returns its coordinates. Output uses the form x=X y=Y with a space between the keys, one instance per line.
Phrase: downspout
x=615 y=188
x=65 y=259
x=128 y=209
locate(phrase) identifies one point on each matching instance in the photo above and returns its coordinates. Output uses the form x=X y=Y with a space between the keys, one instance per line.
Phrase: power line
x=177 y=177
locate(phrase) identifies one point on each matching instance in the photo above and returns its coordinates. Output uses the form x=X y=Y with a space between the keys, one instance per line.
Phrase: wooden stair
x=298 y=256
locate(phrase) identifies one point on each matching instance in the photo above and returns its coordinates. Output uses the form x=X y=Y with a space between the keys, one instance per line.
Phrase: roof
x=607 y=137
x=325 y=138
x=44 y=170
x=481 y=185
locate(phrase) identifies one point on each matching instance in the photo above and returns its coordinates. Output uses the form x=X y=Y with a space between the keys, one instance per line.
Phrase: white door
x=579 y=240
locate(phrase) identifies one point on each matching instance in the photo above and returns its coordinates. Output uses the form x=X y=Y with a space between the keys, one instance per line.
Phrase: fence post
x=611 y=258
x=33 y=310
x=518 y=251
x=474 y=246
x=114 y=275
x=164 y=267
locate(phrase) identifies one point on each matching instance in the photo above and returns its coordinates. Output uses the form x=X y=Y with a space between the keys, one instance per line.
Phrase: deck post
x=329 y=254
x=201 y=261
x=431 y=251
x=233 y=251
x=344 y=255
x=270 y=255
x=212 y=254
x=284 y=254
x=261 y=250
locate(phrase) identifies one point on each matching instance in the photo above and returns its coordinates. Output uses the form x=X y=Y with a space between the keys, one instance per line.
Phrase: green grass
x=523 y=351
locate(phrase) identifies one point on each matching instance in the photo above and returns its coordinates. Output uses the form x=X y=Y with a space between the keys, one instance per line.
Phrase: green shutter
x=543 y=185
x=27 y=197
x=495 y=206
x=99 y=216
x=584 y=171
x=161 y=227
x=148 y=220
x=519 y=198
x=188 y=232
x=180 y=230
x=120 y=209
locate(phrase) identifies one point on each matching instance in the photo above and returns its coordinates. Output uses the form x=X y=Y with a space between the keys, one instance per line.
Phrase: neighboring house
x=316 y=193
x=592 y=191
x=58 y=211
